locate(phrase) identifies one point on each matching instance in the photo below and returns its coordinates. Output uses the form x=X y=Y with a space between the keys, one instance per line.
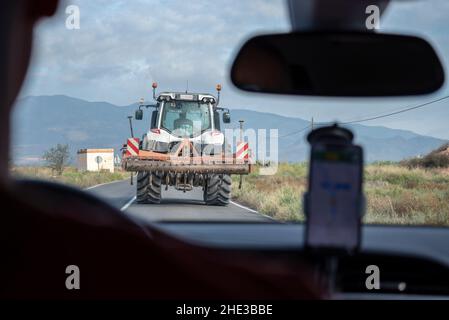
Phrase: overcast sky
x=122 y=46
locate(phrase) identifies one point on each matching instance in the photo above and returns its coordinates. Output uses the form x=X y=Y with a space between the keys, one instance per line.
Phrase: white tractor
x=184 y=147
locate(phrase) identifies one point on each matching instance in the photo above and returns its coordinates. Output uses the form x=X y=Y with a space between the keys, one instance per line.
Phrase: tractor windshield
x=186 y=118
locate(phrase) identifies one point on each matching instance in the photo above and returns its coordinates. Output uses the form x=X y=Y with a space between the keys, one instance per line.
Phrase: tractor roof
x=189 y=96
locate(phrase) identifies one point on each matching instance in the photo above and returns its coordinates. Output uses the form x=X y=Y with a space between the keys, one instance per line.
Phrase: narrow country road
x=175 y=205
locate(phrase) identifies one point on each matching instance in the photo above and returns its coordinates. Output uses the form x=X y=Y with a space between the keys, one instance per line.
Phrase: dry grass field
x=396 y=193
x=70 y=176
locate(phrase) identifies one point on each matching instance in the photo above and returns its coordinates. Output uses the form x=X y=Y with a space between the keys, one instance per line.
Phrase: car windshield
x=78 y=108
x=185 y=118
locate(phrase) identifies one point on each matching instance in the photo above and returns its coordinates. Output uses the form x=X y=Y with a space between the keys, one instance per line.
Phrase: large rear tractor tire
x=148 y=187
x=218 y=190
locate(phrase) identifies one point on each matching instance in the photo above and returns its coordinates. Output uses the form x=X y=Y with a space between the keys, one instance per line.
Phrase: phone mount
x=332 y=138
x=330 y=134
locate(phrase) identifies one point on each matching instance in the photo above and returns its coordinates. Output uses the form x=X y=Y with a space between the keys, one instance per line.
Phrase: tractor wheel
x=218 y=190
x=148 y=187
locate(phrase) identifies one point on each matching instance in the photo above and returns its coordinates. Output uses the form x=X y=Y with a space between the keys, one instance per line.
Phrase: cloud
x=123 y=46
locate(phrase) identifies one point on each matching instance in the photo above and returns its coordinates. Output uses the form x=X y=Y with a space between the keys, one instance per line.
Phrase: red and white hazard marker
x=132 y=147
x=242 y=151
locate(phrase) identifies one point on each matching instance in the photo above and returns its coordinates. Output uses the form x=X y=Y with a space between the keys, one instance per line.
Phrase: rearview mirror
x=154 y=119
x=338 y=64
x=226 y=117
x=139 y=114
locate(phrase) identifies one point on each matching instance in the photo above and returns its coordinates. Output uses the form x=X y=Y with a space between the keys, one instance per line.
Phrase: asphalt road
x=175 y=205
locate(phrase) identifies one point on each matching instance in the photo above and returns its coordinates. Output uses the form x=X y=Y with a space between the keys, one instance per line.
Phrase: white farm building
x=95 y=160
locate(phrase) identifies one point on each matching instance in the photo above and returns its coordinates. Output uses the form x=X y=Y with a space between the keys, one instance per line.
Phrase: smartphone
x=334 y=203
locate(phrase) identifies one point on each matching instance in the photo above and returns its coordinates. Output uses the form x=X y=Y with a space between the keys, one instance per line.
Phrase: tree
x=57 y=158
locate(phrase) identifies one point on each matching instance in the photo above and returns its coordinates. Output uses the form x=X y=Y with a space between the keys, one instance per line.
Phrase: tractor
x=184 y=148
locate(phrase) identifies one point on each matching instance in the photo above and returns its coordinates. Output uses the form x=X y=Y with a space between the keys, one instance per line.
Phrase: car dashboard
x=413 y=261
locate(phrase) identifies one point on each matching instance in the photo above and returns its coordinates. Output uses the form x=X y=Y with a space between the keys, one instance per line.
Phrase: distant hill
x=42 y=121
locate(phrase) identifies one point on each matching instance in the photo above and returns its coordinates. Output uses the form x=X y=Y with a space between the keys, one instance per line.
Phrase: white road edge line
x=126 y=206
x=106 y=183
x=243 y=207
x=103 y=184
x=251 y=210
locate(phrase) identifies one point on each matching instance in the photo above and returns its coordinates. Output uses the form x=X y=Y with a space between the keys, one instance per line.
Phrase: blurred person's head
x=17 y=19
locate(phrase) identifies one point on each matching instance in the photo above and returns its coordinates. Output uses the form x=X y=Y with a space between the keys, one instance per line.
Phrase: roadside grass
x=278 y=196
x=70 y=176
x=395 y=194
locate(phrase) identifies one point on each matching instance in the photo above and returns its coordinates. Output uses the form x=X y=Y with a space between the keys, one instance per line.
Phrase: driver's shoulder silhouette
x=46 y=227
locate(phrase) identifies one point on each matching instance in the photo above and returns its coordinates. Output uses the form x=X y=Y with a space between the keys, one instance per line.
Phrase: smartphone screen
x=334 y=200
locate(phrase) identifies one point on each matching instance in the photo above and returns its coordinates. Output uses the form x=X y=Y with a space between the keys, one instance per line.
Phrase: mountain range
x=40 y=122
